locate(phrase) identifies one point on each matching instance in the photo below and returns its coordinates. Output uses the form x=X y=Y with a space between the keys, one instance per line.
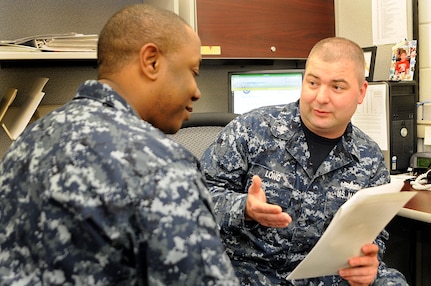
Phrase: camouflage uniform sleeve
x=183 y=238
x=226 y=178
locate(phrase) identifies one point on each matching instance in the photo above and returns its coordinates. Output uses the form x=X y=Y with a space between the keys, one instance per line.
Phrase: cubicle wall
x=28 y=18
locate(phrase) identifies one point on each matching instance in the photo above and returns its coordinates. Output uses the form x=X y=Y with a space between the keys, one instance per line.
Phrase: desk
x=419 y=207
x=409 y=246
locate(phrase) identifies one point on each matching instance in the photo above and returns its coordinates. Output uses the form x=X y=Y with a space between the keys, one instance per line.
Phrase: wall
x=424 y=71
x=353 y=20
x=22 y=19
x=28 y=18
x=425 y=49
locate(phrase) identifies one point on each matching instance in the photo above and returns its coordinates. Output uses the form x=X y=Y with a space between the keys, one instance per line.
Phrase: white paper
x=389 y=21
x=356 y=223
x=427 y=137
x=371 y=115
x=15 y=122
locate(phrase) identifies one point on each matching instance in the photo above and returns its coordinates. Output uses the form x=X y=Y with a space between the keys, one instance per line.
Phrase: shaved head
x=133 y=27
x=335 y=49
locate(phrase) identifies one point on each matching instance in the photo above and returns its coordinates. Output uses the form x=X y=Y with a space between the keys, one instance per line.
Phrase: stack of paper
x=69 y=42
x=73 y=43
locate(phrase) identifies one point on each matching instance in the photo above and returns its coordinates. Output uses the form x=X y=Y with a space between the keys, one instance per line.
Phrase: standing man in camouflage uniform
x=95 y=193
x=279 y=174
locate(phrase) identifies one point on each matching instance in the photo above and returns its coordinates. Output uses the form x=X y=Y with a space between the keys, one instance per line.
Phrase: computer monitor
x=252 y=89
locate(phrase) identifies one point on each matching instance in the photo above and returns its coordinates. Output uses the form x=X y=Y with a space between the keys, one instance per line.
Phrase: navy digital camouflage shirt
x=93 y=195
x=269 y=142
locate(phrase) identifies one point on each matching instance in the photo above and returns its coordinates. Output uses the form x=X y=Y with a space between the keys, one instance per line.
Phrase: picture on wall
x=370 y=59
x=403 y=61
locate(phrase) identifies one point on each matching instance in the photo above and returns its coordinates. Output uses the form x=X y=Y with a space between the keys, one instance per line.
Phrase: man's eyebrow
x=312 y=75
x=340 y=81
x=333 y=81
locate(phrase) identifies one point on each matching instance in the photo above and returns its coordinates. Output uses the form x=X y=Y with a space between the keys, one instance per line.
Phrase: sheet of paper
x=389 y=21
x=371 y=115
x=427 y=139
x=357 y=222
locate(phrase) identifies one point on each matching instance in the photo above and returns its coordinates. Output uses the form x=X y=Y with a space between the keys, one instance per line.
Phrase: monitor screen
x=252 y=89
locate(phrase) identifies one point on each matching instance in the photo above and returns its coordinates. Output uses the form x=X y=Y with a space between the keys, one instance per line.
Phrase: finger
x=276 y=220
x=360 y=280
x=370 y=249
x=261 y=211
x=359 y=276
x=256 y=185
x=369 y=257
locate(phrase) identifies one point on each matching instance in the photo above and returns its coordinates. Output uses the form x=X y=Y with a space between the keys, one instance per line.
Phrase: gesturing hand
x=257 y=209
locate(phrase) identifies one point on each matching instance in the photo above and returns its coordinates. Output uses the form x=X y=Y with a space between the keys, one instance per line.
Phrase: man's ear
x=362 y=92
x=149 y=58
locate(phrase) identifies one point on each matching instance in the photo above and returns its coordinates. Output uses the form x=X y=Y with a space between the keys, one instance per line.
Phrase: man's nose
x=322 y=94
x=197 y=95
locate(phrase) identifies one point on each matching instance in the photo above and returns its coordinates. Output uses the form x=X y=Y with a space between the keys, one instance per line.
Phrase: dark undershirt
x=318 y=146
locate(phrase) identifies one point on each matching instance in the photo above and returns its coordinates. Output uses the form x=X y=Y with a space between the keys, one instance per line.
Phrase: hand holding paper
x=356 y=223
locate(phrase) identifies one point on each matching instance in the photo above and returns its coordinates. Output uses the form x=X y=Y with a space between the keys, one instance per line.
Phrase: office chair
x=201 y=130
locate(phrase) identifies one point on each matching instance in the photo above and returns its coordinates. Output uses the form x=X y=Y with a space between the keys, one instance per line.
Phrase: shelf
x=12 y=56
x=39 y=59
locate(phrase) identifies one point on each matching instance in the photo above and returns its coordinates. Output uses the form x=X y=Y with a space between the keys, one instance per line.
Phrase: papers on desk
x=357 y=222
x=72 y=43
x=69 y=42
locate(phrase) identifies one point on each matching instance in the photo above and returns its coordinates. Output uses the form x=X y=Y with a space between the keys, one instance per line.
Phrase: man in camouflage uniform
x=95 y=193
x=279 y=174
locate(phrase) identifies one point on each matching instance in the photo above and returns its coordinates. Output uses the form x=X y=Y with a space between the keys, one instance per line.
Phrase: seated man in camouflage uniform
x=279 y=174
x=95 y=193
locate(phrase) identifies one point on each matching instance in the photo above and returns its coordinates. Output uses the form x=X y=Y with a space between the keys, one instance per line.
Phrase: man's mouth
x=320 y=112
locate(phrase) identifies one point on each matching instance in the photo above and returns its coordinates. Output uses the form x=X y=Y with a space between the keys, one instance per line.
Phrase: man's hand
x=363 y=269
x=257 y=209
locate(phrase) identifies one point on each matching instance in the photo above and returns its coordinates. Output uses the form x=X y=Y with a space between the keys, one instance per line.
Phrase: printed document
x=357 y=222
